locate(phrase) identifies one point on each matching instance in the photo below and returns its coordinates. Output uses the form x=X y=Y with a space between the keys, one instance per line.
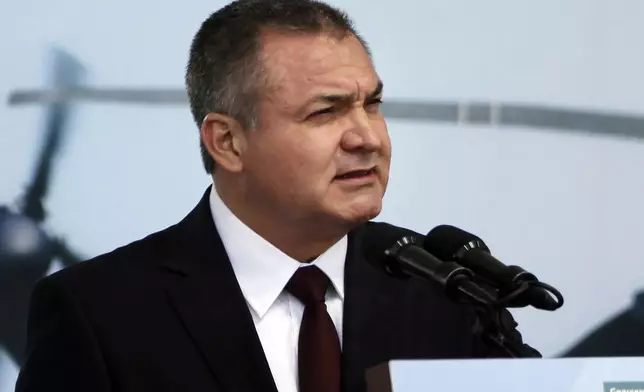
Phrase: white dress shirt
x=262 y=271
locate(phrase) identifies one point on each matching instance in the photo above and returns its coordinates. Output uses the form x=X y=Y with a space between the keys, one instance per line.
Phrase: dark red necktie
x=318 y=344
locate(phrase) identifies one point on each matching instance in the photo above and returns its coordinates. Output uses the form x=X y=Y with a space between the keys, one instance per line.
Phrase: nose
x=363 y=134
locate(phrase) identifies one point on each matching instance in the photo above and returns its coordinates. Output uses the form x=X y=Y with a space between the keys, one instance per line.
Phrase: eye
x=374 y=103
x=320 y=112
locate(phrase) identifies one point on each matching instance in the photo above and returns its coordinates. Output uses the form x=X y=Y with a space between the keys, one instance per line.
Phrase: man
x=287 y=100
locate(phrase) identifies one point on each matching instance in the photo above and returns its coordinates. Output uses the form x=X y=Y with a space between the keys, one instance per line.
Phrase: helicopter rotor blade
x=103 y=95
x=64 y=254
x=474 y=113
x=67 y=72
x=517 y=115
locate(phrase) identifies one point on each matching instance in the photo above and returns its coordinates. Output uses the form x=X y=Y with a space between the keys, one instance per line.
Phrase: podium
x=500 y=375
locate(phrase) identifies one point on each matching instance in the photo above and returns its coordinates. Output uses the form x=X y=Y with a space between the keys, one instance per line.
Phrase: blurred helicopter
x=26 y=248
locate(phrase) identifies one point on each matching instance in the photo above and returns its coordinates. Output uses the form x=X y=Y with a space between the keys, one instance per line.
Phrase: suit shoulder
x=129 y=260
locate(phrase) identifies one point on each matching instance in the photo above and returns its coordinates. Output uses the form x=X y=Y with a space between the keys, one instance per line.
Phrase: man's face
x=321 y=149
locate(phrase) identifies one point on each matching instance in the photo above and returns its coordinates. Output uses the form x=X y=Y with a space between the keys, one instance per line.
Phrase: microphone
x=404 y=257
x=400 y=253
x=451 y=243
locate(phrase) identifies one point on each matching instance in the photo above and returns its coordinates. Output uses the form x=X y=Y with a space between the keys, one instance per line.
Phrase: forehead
x=302 y=65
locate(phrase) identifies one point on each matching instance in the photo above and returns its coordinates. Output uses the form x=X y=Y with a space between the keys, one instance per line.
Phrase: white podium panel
x=524 y=375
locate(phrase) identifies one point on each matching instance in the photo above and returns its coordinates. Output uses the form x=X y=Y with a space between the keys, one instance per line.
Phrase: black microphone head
x=451 y=243
x=380 y=237
x=445 y=242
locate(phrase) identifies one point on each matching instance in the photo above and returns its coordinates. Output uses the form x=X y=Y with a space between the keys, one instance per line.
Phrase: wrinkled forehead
x=299 y=66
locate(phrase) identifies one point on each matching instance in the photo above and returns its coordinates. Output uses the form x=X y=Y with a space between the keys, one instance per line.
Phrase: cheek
x=314 y=162
x=384 y=132
x=386 y=146
x=385 y=140
x=297 y=165
x=385 y=151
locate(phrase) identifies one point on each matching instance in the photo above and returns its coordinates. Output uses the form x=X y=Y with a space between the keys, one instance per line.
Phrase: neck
x=301 y=239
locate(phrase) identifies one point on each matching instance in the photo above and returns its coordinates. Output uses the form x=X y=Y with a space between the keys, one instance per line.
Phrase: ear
x=225 y=140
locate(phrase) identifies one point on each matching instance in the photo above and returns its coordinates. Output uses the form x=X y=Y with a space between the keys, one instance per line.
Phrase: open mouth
x=356 y=174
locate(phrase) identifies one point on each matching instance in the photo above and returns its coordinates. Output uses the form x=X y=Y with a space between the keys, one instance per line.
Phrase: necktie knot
x=309 y=285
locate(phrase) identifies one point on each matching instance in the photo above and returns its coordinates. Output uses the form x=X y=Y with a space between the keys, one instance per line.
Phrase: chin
x=361 y=213
x=354 y=209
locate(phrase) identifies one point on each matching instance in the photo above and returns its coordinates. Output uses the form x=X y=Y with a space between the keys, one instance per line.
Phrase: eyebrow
x=335 y=98
x=377 y=91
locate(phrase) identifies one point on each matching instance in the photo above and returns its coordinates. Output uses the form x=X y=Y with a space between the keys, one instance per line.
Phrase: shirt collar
x=263 y=270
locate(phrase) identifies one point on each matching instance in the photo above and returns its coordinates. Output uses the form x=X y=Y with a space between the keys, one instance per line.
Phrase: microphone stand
x=494 y=323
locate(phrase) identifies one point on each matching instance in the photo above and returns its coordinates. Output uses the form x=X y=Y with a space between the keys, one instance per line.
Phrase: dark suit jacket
x=166 y=313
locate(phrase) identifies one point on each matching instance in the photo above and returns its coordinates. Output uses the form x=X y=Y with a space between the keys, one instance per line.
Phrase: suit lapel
x=202 y=288
x=369 y=314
